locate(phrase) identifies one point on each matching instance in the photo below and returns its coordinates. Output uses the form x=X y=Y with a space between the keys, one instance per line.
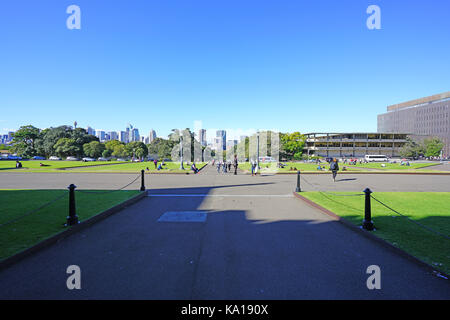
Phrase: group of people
x=225 y=166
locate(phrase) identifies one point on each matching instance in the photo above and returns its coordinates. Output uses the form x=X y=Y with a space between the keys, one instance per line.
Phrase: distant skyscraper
x=123 y=136
x=222 y=135
x=135 y=135
x=101 y=135
x=113 y=135
x=151 y=136
x=90 y=131
x=202 y=137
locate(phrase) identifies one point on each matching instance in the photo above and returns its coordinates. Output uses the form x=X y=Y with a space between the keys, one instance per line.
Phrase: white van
x=266 y=159
x=376 y=158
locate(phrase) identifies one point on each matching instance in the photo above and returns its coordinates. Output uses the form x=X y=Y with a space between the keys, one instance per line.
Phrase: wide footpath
x=223 y=237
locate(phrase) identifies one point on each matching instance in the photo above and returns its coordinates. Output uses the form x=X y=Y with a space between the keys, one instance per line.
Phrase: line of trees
x=429 y=147
x=64 y=141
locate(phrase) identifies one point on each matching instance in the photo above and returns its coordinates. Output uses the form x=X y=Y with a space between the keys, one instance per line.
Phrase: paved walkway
x=258 y=242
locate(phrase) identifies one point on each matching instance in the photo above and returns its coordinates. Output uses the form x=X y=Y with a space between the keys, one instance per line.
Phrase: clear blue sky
x=291 y=65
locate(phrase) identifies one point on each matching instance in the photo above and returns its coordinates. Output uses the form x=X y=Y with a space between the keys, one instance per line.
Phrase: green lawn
x=294 y=166
x=48 y=221
x=431 y=209
x=49 y=166
x=138 y=166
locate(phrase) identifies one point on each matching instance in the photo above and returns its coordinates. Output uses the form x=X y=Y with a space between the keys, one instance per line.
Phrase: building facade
x=221 y=139
x=202 y=137
x=354 y=144
x=429 y=116
x=151 y=136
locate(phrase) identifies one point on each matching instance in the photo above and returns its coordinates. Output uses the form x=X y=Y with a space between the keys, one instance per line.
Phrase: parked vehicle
x=72 y=159
x=266 y=159
x=121 y=159
x=87 y=159
x=102 y=159
x=375 y=158
x=38 y=158
x=54 y=158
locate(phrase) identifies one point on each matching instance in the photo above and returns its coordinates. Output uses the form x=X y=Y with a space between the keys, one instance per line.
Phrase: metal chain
x=419 y=224
x=35 y=210
x=104 y=192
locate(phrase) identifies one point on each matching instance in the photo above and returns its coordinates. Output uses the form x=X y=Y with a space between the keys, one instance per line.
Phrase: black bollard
x=72 y=219
x=298 y=189
x=142 y=180
x=368 y=223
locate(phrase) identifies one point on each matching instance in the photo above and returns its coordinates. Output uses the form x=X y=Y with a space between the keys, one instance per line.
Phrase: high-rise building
x=101 y=135
x=123 y=136
x=202 y=137
x=135 y=135
x=221 y=139
x=90 y=131
x=429 y=116
x=151 y=136
x=113 y=135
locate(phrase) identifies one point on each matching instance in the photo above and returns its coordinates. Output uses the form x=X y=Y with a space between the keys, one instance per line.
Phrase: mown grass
x=302 y=166
x=431 y=209
x=49 y=166
x=138 y=166
x=42 y=224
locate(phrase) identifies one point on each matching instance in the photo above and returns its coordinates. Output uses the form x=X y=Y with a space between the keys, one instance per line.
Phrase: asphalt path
x=257 y=242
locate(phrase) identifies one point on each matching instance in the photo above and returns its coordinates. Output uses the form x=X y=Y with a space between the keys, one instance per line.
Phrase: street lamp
x=257 y=150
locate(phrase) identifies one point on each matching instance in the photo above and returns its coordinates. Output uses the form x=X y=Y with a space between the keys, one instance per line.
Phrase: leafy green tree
x=93 y=149
x=65 y=147
x=433 y=147
x=106 y=153
x=119 y=151
x=136 y=149
x=24 y=140
x=161 y=147
x=411 y=149
x=291 y=145
x=110 y=145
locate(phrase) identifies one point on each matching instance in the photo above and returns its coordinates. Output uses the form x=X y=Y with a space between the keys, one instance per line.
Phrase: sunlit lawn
x=48 y=221
x=432 y=209
x=35 y=165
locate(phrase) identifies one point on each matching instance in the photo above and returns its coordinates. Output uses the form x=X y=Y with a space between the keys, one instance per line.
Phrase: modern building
x=123 y=136
x=113 y=135
x=202 y=137
x=135 y=135
x=429 y=116
x=101 y=135
x=221 y=139
x=354 y=144
x=151 y=136
x=90 y=131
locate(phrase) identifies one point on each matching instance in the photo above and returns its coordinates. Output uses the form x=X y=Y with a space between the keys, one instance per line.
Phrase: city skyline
x=285 y=66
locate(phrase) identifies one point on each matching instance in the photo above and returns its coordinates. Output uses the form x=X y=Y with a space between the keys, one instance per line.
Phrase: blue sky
x=235 y=64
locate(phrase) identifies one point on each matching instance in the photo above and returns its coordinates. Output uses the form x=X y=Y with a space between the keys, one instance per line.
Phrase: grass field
x=431 y=209
x=49 y=166
x=359 y=167
x=48 y=221
x=138 y=166
x=95 y=166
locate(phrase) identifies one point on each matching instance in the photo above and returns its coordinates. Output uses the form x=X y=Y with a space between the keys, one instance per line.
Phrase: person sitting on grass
x=194 y=168
x=319 y=167
x=160 y=166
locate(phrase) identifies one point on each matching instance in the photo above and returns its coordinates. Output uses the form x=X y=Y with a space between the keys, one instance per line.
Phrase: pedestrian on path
x=218 y=166
x=235 y=164
x=253 y=163
x=334 y=167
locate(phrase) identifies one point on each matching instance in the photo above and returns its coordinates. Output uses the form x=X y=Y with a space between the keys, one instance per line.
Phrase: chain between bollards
x=142 y=180
x=72 y=219
x=368 y=223
x=298 y=189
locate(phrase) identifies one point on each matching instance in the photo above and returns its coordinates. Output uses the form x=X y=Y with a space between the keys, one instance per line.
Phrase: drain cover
x=183 y=216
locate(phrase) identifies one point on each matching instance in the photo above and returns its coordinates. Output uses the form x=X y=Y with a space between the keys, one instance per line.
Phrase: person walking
x=218 y=166
x=253 y=164
x=155 y=162
x=334 y=167
x=235 y=164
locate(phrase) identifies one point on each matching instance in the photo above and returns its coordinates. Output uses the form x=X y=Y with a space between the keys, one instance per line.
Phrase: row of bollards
x=367 y=222
x=72 y=219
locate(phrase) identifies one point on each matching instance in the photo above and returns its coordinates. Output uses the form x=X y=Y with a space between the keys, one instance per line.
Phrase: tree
x=93 y=149
x=433 y=147
x=411 y=149
x=66 y=147
x=136 y=149
x=291 y=145
x=119 y=151
x=161 y=148
x=24 y=140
